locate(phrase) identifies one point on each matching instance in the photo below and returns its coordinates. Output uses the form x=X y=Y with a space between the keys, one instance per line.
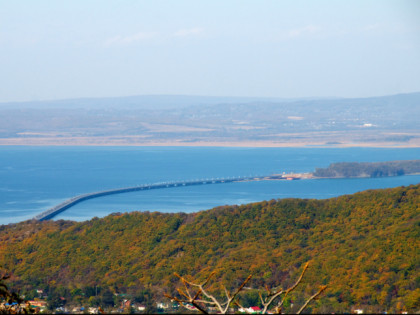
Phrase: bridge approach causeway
x=52 y=212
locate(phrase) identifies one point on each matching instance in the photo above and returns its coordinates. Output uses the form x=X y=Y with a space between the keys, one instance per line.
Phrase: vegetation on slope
x=364 y=246
x=369 y=169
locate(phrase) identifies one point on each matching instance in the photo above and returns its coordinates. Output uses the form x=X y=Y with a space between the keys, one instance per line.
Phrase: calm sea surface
x=33 y=179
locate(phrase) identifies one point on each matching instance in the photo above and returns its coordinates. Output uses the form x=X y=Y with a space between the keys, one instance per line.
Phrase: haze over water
x=34 y=179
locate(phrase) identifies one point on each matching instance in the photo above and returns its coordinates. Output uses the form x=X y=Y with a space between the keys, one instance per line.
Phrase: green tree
x=11 y=302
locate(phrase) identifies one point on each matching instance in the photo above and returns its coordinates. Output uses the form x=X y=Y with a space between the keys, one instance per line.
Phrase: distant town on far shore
x=165 y=120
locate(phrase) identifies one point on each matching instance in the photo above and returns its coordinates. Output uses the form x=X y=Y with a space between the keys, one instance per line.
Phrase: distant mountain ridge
x=170 y=101
x=140 y=101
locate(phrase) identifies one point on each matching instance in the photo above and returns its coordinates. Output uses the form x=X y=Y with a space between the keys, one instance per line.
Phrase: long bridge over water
x=52 y=212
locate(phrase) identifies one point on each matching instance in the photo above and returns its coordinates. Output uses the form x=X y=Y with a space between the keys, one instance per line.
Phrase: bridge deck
x=52 y=212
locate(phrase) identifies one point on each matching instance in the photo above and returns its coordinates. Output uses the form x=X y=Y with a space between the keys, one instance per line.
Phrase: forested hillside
x=369 y=169
x=364 y=246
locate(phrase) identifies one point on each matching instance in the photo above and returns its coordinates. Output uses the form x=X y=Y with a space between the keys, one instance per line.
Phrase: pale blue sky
x=70 y=49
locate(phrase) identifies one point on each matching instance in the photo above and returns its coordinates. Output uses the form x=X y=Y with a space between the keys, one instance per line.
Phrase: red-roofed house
x=254 y=310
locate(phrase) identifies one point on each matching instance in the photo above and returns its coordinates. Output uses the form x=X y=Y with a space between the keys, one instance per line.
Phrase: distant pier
x=52 y=212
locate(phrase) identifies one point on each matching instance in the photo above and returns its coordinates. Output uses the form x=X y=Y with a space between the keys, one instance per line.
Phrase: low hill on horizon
x=364 y=246
x=166 y=101
x=369 y=169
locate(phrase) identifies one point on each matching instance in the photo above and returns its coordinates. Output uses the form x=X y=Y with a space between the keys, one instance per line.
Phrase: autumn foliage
x=364 y=246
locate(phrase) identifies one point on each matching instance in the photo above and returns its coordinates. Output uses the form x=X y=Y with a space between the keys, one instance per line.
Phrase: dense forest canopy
x=364 y=246
x=369 y=169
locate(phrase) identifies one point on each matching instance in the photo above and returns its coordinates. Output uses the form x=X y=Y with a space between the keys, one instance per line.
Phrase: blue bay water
x=33 y=179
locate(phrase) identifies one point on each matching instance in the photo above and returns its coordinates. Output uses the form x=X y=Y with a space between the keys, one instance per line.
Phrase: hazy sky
x=69 y=49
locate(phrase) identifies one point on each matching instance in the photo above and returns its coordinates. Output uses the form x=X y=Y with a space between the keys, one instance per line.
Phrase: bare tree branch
x=272 y=296
x=322 y=288
x=230 y=299
x=223 y=307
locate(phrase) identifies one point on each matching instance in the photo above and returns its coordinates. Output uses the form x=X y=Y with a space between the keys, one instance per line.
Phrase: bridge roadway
x=52 y=212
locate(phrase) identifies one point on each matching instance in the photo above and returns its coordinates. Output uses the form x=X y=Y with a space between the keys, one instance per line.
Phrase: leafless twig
x=321 y=289
x=202 y=297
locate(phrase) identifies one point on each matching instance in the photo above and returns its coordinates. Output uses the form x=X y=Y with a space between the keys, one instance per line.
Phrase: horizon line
x=279 y=98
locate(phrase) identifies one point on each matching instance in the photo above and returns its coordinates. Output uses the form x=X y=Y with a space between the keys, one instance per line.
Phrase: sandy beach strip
x=141 y=141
